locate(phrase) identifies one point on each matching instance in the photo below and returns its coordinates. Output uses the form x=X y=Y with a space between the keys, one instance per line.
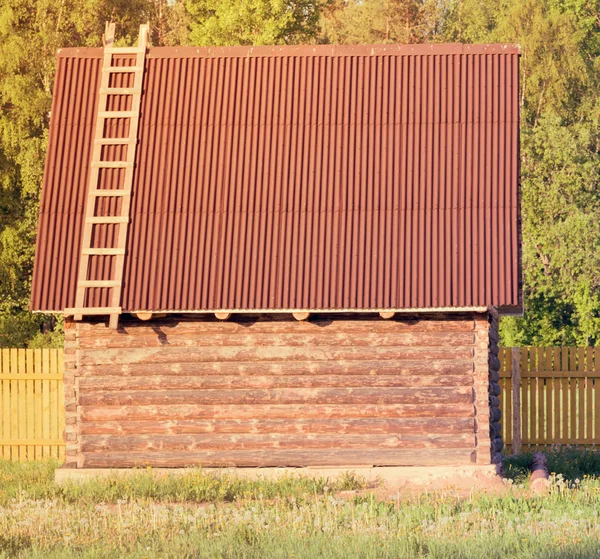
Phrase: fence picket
x=31 y=404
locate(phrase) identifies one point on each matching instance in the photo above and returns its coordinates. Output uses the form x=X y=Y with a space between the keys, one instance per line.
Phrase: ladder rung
x=122 y=69
x=124 y=50
x=103 y=251
x=107 y=192
x=117 y=114
x=98 y=283
x=92 y=310
x=107 y=219
x=120 y=91
x=114 y=141
x=112 y=164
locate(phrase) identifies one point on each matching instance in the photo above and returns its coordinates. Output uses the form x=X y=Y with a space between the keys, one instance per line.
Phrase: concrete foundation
x=390 y=476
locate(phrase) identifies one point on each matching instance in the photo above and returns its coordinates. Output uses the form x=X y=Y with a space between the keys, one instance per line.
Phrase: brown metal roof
x=313 y=177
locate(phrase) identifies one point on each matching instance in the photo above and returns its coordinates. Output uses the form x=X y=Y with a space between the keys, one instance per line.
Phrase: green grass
x=200 y=515
x=35 y=481
x=571 y=463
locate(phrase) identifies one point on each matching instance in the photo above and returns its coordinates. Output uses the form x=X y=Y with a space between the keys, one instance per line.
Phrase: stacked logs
x=494 y=391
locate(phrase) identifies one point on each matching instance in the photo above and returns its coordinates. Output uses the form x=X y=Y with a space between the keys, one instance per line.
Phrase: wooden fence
x=32 y=404
x=559 y=396
x=558 y=401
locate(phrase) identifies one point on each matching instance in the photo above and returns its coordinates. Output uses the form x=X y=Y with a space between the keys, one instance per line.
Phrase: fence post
x=516 y=399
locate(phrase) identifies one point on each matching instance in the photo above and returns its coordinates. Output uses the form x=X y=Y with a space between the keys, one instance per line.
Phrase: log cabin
x=290 y=256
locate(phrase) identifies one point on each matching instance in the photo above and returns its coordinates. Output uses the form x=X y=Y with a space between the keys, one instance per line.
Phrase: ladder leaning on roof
x=124 y=192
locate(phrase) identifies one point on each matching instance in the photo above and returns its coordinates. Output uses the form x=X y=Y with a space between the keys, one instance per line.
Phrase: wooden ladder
x=97 y=163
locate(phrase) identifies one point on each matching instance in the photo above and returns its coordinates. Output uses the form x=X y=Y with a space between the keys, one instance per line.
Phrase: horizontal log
x=97 y=414
x=282 y=368
x=105 y=384
x=281 y=458
x=159 y=338
x=455 y=395
x=174 y=443
x=224 y=354
x=411 y=425
x=281 y=323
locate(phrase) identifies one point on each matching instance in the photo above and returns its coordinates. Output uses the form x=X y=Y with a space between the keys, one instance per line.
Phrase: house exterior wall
x=271 y=391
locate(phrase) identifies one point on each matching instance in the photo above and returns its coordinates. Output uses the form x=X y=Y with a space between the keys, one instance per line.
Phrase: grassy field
x=198 y=515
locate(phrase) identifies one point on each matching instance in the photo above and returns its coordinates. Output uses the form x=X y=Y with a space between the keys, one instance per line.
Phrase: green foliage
x=382 y=21
x=30 y=33
x=560 y=166
x=560 y=103
x=252 y=22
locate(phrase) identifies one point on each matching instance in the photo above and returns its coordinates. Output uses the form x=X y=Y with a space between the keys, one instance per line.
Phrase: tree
x=381 y=21
x=252 y=22
x=560 y=161
x=30 y=33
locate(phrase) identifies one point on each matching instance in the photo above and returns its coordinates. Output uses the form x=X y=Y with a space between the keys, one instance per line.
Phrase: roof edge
x=307 y=50
x=406 y=310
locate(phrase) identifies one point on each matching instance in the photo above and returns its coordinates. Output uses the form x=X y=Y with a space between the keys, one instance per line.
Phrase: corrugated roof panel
x=297 y=178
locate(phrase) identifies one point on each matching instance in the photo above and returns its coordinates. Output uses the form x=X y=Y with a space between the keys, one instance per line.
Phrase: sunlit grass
x=200 y=515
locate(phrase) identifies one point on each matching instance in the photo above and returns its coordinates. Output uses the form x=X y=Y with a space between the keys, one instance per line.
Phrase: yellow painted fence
x=32 y=404
x=559 y=396
x=559 y=400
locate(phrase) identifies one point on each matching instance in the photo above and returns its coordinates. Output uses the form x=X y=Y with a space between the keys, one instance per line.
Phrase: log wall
x=272 y=391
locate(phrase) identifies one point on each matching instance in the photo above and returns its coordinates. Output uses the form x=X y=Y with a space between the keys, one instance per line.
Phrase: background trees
x=560 y=93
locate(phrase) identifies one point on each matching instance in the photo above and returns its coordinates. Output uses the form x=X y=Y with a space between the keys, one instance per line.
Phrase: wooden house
x=282 y=256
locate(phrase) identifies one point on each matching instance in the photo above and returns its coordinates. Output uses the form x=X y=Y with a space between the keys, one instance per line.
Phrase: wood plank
x=596 y=396
x=589 y=402
x=158 y=337
x=284 y=396
x=557 y=394
x=288 y=441
x=6 y=403
x=547 y=368
x=564 y=365
x=581 y=394
x=53 y=415
x=39 y=451
x=102 y=413
x=524 y=395
x=29 y=364
x=573 y=395
x=340 y=426
x=533 y=398
x=125 y=50
x=282 y=368
x=267 y=324
x=61 y=405
x=92 y=311
x=115 y=114
x=120 y=383
x=292 y=458
x=97 y=192
x=22 y=404
x=122 y=70
x=260 y=354
x=97 y=283
x=14 y=405
x=107 y=219
x=114 y=141
x=103 y=251
x=46 y=403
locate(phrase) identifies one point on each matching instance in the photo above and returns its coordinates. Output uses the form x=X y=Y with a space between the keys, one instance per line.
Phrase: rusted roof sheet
x=348 y=178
